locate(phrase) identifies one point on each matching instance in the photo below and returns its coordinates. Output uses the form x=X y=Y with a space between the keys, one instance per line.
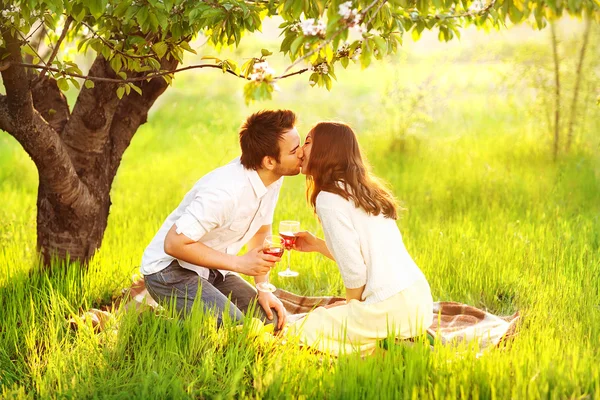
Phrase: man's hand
x=268 y=300
x=255 y=262
x=306 y=242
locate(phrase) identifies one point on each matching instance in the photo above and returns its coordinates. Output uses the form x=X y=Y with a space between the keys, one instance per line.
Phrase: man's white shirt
x=223 y=210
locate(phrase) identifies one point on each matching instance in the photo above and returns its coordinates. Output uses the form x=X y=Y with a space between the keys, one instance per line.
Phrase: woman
x=386 y=293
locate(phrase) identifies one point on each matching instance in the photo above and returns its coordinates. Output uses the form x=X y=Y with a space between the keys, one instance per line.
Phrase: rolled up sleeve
x=207 y=211
x=344 y=243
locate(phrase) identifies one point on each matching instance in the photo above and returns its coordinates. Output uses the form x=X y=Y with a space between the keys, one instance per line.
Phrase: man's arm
x=257 y=241
x=253 y=263
x=267 y=300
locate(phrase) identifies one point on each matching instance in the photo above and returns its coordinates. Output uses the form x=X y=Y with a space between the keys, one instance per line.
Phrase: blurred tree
x=138 y=45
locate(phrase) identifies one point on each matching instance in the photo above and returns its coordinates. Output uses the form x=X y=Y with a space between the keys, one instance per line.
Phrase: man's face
x=289 y=154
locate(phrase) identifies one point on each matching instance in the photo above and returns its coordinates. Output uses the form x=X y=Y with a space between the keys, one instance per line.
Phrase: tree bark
x=51 y=103
x=77 y=154
x=98 y=132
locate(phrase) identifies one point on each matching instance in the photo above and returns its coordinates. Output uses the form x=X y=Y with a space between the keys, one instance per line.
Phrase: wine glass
x=273 y=245
x=288 y=230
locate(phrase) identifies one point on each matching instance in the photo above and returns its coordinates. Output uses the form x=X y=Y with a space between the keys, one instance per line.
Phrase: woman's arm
x=355 y=294
x=307 y=242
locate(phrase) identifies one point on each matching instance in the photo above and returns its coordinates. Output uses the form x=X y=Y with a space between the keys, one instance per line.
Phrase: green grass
x=491 y=220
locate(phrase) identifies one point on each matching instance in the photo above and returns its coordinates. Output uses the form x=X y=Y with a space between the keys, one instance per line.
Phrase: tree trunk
x=586 y=36
x=67 y=234
x=77 y=154
x=556 y=91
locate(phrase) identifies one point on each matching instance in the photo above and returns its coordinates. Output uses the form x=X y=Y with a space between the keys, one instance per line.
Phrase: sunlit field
x=459 y=131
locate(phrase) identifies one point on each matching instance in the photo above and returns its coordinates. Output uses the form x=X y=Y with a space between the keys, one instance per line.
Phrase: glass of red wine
x=288 y=230
x=274 y=246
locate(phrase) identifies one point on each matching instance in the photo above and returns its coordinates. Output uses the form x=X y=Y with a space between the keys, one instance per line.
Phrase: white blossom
x=348 y=14
x=361 y=29
x=261 y=71
x=310 y=27
x=321 y=68
x=476 y=6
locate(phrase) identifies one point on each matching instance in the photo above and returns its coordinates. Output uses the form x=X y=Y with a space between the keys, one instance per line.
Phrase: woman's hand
x=306 y=242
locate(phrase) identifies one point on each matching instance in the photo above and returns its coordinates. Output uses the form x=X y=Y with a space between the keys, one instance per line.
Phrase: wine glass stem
x=289 y=256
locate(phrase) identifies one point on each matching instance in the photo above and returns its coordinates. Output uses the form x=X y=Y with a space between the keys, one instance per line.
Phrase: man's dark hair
x=260 y=135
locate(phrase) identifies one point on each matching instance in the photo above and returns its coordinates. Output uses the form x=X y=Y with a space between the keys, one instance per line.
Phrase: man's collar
x=257 y=184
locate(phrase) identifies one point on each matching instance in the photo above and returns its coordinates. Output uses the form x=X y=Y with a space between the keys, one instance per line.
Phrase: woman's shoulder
x=330 y=200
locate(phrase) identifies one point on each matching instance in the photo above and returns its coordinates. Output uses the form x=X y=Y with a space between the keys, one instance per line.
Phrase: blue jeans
x=216 y=293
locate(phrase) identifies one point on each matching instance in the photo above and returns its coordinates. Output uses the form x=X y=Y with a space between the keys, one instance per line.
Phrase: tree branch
x=57 y=46
x=87 y=131
x=51 y=103
x=325 y=43
x=110 y=45
x=16 y=81
x=131 y=114
x=44 y=146
x=147 y=77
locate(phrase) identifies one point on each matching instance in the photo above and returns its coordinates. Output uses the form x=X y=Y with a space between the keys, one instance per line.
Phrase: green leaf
x=296 y=44
x=285 y=45
x=75 y=83
x=96 y=7
x=186 y=46
x=131 y=11
x=327 y=81
x=153 y=21
x=120 y=92
x=265 y=52
x=233 y=66
x=247 y=67
x=62 y=84
x=416 y=34
x=142 y=16
x=153 y=63
x=116 y=63
x=122 y=75
x=160 y=49
x=89 y=84
x=381 y=44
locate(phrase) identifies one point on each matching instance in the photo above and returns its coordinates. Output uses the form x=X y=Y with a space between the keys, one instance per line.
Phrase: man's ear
x=269 y=163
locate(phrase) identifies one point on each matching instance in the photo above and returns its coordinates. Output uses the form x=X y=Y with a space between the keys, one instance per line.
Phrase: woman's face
x=306 y=152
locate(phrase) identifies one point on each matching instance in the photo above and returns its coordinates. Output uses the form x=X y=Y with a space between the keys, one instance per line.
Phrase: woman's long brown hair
x=336 y=165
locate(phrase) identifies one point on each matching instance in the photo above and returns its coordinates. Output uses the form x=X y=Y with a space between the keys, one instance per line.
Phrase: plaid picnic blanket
x=451 y=322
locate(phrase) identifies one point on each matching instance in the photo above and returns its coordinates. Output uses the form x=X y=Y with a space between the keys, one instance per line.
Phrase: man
x=194 y=253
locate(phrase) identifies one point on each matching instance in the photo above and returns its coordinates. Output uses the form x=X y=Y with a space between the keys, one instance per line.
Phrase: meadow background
x=461 y=131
